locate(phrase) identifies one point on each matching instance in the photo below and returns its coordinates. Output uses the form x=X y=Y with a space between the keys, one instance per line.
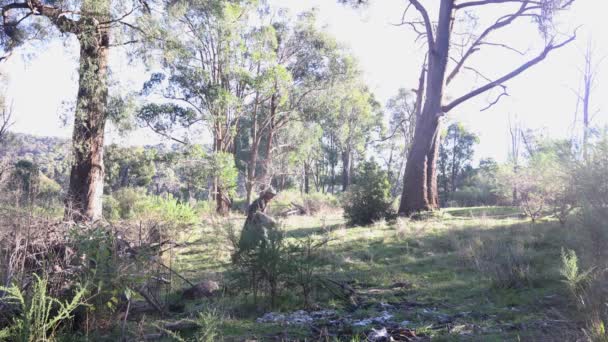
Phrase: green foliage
x=265 y=261
x=546 y=183
x=128 y=201
x=208 y=325
x=51 y=155
x=221 y=168
x=134 y=203
x=170 y=210
x=481 y=186
x=313 y=203
x=25 y=181
x=368 y=200
x=303 y=264
x=41 y=315
x=126 y=167
x=576 y=279
x=454 y=162
x=259 y=255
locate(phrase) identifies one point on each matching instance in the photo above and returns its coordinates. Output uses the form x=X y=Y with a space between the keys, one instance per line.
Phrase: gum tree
x=448 y=55
x=205 y=79
x=92 y=23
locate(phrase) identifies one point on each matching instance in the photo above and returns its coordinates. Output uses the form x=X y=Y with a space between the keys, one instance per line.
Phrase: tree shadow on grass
x=439 y=270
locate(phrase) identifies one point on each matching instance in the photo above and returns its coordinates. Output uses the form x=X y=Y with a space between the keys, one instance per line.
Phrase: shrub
x=316 y=202
x=368 y=200
x=576 y=279
x=207 y=327
x=127 y=202
x=259 y=254
x=304 y=260
x=265 y=261
x=133 y=203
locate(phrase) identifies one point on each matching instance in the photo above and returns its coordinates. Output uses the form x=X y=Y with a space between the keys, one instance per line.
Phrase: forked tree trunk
x=84 y=197
x=420 y=180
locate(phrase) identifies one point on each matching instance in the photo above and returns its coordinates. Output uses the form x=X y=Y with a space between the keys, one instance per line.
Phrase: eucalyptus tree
x=126 y=167
x=351 y=124
x=94 y=23
x=448 y=55
x=205 y=80
x=455 y=155
x=402 y=115
x=300 y=63
x=270 y=81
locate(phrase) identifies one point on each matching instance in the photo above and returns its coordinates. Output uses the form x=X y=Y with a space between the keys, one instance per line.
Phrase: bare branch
x=510 y=48
x=500 y=22
x=160 y=132
x=5 y=122
x=56 y=15
x=491 y=104
x=550 y=47
x=427 y=23
x=488 y=2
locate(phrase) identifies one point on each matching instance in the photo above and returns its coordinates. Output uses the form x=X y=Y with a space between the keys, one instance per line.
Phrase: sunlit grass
x=441 y=260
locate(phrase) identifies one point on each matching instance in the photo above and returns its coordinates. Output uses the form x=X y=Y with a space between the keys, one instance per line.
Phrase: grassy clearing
x=466 y=274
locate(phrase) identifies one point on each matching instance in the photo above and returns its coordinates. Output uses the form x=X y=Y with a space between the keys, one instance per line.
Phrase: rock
x=204 y=289
x=272 y=317
x=378 y=335
x=299 y=317
x=382 y=319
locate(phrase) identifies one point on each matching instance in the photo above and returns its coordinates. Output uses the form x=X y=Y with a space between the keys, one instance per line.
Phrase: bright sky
x=543 y=97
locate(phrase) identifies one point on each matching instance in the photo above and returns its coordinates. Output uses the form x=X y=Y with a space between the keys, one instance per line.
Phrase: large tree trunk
x=84 y=197
x=420 y=180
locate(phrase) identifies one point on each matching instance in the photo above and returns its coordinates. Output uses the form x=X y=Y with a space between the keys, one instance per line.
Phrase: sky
x=41 y=85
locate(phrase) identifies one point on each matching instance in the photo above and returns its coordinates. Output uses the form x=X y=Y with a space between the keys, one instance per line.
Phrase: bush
x=133 y=203
x=126 y=202
x=259 y=257
x=368 y=200
x=545 y=185
x=266 y=262
x=576 y=279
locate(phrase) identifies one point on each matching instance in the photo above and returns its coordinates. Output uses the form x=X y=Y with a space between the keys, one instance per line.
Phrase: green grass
x=450 y=263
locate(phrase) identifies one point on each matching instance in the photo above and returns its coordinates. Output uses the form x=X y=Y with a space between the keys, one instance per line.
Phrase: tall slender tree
x=207 y=78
